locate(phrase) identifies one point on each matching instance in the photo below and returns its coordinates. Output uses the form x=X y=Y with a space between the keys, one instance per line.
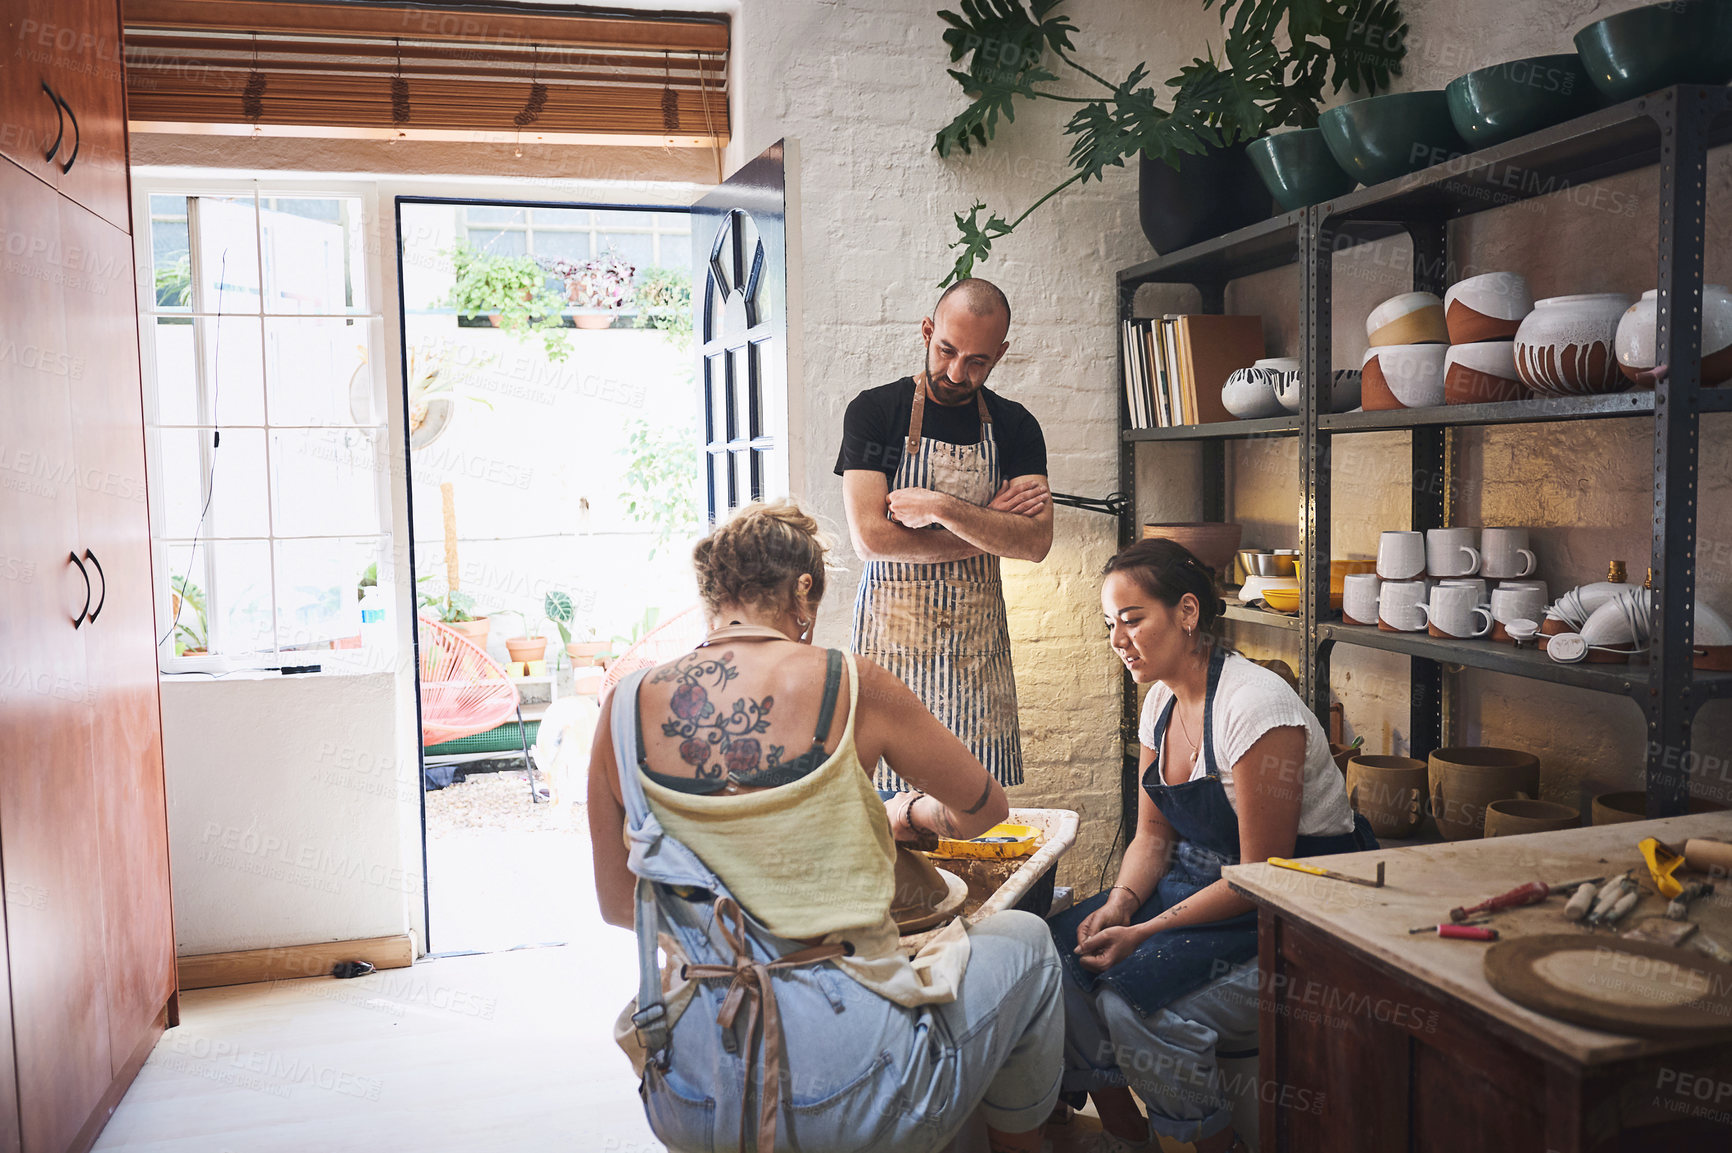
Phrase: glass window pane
x=234 y=472
x=307 y=257
x=171 y=257
x=609 y=218
x=561 y=217
x=325 y=481
x=234 y=386
x=498 y=243
x=562 y=245
x=636 y=247
x=175 y=357
x=323 y=371
x=233 y=581
x=318 y=599
x=228 y=254
x=676 y=251
x=492 y=214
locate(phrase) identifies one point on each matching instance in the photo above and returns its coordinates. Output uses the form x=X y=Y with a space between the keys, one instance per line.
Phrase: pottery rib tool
x=1680 y=905
x=1531 y=893
x=1661 y=931
x=1301 y=867
x=1663 y=861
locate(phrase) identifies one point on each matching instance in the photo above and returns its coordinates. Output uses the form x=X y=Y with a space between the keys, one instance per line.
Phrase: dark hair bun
x=1167 y=570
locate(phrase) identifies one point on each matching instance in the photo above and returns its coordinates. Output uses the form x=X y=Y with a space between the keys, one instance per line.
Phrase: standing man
x=941 y=478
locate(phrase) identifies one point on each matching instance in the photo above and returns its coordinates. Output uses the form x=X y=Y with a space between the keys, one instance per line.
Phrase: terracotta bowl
x=1617 y=808
x=1465 y=779
x=1514 y=818
x=1481 y=373
x=1410 y=318
x=1389 y=792
x=1565 y=346
x=1402 y=376
x=1211 y=542
x=1487 y=307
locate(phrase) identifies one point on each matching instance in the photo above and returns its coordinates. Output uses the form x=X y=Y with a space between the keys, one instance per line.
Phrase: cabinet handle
x=77 y=133
x=103 y=599
x=60 y=115
x=78 y=618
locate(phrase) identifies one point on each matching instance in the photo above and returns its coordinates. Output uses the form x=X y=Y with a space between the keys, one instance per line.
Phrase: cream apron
x=941 y=627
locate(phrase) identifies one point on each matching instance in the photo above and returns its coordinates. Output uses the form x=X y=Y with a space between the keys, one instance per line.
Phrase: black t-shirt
x=875 y=430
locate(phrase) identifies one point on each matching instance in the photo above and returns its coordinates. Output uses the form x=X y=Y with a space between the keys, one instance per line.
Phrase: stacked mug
x=1440 y=582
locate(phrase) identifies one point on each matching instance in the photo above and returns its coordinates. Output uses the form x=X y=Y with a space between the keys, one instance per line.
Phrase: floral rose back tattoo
x=717 y=743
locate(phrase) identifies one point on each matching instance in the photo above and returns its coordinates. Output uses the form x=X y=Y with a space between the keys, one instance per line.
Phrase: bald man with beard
x=941 y=477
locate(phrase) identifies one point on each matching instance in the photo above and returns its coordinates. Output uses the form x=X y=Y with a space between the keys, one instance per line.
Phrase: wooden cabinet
x=62 y=84
x=87 y=965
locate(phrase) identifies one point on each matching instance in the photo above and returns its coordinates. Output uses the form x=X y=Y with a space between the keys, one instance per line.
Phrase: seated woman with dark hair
x=1161 y=969
x=757 y=856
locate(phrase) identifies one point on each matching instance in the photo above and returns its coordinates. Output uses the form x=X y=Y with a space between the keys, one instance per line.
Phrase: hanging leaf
x=976 y=241
x=993 y=94
x=1005 y=44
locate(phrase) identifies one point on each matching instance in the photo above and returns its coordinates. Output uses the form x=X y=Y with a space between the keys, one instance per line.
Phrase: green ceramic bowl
x=1491 y=105
x=1678 y=42
x=1382 y=137
x=1298 y=169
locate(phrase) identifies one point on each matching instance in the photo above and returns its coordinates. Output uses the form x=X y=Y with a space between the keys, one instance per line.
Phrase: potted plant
x=191 y=636
x=588 y=652
x=664 y=301
x=532 y=645
x=512 y=292
x=597 y=289
x=1208 y=186
x=452 y=608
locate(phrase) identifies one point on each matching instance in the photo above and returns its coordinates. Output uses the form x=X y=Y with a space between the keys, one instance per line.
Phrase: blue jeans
x=863 y=1073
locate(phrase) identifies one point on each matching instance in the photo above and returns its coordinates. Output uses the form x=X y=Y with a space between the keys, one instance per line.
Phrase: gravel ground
x=499 y=801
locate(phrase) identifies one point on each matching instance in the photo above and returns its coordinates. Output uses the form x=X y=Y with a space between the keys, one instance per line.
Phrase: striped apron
x=941 y=627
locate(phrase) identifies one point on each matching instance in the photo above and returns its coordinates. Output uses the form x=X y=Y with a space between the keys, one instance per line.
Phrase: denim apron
x=1177 y=962
x=941 y=628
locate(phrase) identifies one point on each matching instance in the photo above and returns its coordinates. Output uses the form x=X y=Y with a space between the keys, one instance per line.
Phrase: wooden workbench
x=1376 y=1040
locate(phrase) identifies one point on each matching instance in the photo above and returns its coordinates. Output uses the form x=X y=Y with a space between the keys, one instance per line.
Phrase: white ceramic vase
x=1638 y=338
x=1252 y=393
x=1565 y=346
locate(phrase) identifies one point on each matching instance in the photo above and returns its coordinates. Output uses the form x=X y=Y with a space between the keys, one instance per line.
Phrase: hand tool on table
x=1531 y=893
x=1680 y=905
x=1706 y=944
x=1581 y=902
x=1663 y=861
x=1316 y=871
x=1430 y=928
x=1711 y=857
x=1611 y=897
x=1467 y=932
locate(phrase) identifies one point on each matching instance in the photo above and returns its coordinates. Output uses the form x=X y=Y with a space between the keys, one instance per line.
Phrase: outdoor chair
x=464 y=691
x=674 y=637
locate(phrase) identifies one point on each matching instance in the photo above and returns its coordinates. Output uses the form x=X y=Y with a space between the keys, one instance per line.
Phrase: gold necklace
x=1196 y=749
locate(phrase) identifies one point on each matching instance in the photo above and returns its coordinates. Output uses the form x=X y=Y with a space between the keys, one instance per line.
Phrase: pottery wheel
x=1621 y=986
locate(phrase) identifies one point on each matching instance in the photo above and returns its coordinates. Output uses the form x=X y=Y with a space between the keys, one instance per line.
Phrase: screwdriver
x=1531 y=893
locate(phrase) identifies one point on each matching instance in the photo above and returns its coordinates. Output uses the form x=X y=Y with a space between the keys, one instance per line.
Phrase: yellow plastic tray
x=1021 y=841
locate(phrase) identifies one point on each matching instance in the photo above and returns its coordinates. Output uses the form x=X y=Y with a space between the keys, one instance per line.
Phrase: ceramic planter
x=1208 y=195
x=1623 y=807
x=475 y=630
x=1402 y=376
x=1677 y=42
x=1298 y=169
x=1252 y=393
x=1482 y=373
x=1389 y=792
x=1565 y=346
x=1465 y=780
x=1638 y=339
x=585 y=654
x=1410 y=318
x=1487 y=307
x=1518 y=817
x=523 y=649
x=1491 y=105
x=1382 y=137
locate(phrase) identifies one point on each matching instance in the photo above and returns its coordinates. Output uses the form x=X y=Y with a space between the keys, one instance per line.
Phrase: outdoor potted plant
x=588 y=652
x=664 y=301
x=1196 y=181
x=532 y=645
x=597 y=289
x=451 y=608
x=512 y=292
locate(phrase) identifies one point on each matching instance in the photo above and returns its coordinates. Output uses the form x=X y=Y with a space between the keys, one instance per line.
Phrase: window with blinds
x=471 y=72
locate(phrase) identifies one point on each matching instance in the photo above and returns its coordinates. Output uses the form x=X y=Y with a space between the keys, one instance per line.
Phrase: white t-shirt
x=1249 y=701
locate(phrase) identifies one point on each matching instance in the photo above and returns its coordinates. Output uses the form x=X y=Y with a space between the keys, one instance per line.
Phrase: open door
x=740 y=257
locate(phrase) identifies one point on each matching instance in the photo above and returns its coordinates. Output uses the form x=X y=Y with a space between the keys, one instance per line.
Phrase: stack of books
x=1174 y=366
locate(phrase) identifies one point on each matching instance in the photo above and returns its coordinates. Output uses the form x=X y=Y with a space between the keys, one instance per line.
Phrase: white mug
x=1401 y=605
x=1514 y=604
x=1400 y=555
x=1359 y=598
x=1451 y=552
x=1453 y=612
x=1477 y=584
x=1504 y=553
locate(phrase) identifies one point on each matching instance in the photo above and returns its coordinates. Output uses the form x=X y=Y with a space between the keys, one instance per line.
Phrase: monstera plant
x=1278 y=57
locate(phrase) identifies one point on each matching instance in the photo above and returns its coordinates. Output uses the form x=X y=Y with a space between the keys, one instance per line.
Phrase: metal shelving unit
x=1673 y=129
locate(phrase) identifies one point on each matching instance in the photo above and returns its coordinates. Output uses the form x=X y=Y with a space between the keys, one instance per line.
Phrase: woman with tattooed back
x=759 y=858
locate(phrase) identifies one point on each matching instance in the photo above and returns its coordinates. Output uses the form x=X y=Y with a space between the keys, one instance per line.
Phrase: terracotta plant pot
x=587 y=654
x=1402 y=376
x=1618 y=808
x=476 y=630
x=1637 y=341
x=527 y=648
x=1481 y=373
x=593 y=321
x=1465 y=779
x=1514 y=818
x=1389 y=792
x=1565 y=346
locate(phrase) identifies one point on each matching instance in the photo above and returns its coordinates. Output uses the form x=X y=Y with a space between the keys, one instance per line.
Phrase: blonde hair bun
x=757 y=556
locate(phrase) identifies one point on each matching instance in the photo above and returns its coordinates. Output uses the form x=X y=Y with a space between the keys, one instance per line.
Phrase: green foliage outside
x=660 y=475
x=191 y=632
x=174 y=283
x=1256 y=86
x=664 y=301
x=514 y=289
